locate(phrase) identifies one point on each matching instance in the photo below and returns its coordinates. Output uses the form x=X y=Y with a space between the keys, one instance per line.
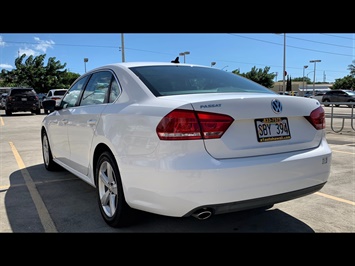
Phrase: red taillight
x=189 y=125
x=317 y=118
x=55 y=98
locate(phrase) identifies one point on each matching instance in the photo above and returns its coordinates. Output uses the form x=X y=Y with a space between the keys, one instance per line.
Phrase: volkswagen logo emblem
x=276 y=106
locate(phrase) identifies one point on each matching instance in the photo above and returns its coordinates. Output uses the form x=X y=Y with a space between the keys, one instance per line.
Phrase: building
x=297 y=87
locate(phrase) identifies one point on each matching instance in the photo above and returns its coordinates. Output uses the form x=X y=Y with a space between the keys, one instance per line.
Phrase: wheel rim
x=45 y=149
x=107 y=186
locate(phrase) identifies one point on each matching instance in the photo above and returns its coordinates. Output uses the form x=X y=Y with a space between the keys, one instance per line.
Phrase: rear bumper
x=22 y=108
x=256 y=203
x=178 y=185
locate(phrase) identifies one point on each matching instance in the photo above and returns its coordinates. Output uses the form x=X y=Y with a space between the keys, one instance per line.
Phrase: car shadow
x=71 y=205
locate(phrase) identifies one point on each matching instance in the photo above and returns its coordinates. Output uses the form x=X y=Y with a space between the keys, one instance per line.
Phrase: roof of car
x=338 y=90
x=138 y=64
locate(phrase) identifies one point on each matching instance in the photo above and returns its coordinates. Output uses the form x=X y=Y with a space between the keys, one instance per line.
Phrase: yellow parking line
x=335 y=198
x=43 y=213
x=343 y=152
x=1 y=121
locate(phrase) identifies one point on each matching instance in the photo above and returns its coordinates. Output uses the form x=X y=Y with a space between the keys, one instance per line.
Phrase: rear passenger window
x=97 y=89
x=115 y=91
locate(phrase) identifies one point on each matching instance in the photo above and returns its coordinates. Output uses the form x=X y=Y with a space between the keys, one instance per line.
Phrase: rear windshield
x=59 y=92
x=178 y=79
x=29 y=92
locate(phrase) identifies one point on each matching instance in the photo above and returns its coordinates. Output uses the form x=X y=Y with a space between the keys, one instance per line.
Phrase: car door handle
x=92 y=122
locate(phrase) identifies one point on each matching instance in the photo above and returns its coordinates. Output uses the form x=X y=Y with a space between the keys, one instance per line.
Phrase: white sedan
x=54 y=94
x=185 y=140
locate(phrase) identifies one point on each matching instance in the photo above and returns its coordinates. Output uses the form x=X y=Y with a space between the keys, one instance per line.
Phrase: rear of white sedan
x=189 y=140
x=219 y=163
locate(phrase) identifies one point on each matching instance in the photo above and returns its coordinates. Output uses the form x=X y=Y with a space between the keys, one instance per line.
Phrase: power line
x=295 y=47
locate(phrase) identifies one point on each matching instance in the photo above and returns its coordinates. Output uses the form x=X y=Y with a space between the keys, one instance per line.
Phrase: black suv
x=22 y=100
x=338 y=96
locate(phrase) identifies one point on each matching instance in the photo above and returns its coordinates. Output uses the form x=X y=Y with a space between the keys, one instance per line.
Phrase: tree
x=69 y=78
x=260 y=76
x=33 y=73
x=307 y=80
x=288 y=84
x=346 y=83
x=352 y=69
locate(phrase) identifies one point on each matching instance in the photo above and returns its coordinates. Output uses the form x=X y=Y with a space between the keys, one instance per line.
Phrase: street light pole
x=284 y=66
x=122 y=48
x=314 y=74
x=184 y=54
x=304 y=67
x=85 y=61
x=307 y=78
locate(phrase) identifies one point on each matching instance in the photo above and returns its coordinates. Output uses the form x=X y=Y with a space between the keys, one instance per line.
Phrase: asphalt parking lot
x=33 y=200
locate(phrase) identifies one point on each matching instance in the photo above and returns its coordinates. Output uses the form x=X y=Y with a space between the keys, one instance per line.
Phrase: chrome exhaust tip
x=202 y=214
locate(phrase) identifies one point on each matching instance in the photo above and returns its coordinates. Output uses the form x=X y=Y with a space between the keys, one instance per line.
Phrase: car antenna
x=176 y=60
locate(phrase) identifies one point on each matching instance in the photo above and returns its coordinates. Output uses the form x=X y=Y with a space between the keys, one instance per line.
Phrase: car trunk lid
x=268 y=124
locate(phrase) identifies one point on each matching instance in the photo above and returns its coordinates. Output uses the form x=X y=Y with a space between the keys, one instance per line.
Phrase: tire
x=326 y=102
x=49 y=164
x=111 y=200
x=8 y=112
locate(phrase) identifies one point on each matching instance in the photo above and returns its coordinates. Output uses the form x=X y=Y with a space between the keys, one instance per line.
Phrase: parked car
x=22 y=100
x=318 y=95
x=290 y=93
x=185 y=140
x=54 y=94
x=307 y=94
x=2 y=100
x=339 y=96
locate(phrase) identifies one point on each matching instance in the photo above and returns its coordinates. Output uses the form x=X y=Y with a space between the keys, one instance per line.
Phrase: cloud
x=40 y=47
x=43 y=45
x=2 y=43
x=6 y=66
x=28 y=52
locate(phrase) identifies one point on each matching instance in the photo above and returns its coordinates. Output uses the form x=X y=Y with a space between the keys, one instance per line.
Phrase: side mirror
x=49 y=105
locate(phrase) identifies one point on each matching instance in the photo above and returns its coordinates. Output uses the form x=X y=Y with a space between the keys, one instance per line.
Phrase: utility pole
x=122 y=48
x=284 y=66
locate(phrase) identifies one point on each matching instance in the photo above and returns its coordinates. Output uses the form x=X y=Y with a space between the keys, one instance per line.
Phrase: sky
x=227 y=51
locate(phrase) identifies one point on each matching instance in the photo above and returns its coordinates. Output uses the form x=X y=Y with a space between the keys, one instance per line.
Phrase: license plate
x=23 y=99
x=272 y=129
